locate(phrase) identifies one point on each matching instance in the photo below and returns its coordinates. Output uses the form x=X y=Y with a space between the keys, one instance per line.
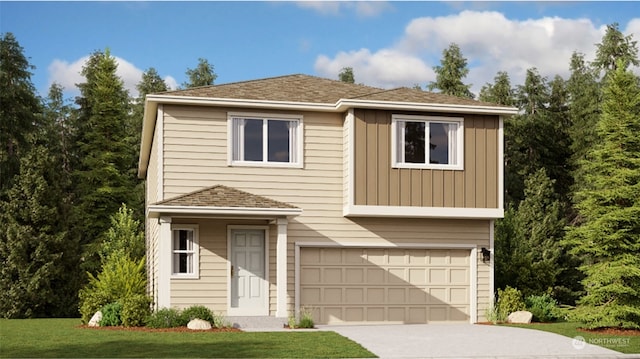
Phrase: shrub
x=543 y=307
x=121 y=277
x=135 y=310
x=111 y=315
x=197 y=312
x=491 y=314
x=166 y=318
x=509 y=300
x=305 y=320
x=219 y=321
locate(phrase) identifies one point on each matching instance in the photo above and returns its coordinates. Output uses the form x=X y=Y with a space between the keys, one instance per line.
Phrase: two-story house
x=361 y=204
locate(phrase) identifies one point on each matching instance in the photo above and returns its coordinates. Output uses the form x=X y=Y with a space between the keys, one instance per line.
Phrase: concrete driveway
x=467 y=341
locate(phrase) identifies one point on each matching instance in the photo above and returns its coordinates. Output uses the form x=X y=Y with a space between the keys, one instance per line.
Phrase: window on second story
x=266 y=140
x=427 y=142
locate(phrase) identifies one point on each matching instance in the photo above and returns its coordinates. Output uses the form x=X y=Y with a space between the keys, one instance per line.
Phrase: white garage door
x=385 y=285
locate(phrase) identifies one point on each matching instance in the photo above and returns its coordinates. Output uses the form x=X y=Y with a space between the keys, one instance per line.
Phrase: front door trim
x=230 y=228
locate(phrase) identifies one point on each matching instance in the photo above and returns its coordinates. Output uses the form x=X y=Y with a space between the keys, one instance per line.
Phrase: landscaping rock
x=520 y=317
x=95 y=320
x=199 y=324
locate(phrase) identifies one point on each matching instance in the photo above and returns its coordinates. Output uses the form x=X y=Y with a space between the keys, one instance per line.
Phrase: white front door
x=249 y=289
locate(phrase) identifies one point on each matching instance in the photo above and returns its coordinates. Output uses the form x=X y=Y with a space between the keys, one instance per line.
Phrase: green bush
x=305 y=319
x=111 y=315
x=135 y=310
x=166 y=318
x=219 y=321
x=509 y=300
x=121 y=278
x=197 y=312
x=543 y=307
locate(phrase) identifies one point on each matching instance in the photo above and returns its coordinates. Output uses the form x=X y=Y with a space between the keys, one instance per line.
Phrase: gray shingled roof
x=225 y=197
x=312 y=89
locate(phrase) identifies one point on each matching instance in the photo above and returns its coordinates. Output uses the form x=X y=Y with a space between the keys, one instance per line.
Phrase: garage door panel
x=385 y=285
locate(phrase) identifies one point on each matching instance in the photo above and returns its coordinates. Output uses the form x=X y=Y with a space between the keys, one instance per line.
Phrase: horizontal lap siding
x=199 y=159
x=377 y=183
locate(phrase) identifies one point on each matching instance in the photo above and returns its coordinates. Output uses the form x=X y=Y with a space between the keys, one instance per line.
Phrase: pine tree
x=449 y=75
x=105 y=176
x=202 y=75
x=346 y=75
x=615 y=49
x=609 y=204
x=19 y=108
x=40 y=276
x=499 y=92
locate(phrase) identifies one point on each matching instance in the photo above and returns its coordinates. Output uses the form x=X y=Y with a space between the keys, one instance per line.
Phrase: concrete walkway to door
x=467 y=341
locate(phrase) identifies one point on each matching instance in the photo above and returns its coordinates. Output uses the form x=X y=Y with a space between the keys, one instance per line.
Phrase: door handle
x=231 y=271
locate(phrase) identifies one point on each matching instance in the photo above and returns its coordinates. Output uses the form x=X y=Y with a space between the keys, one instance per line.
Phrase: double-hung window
x=427 y=142
x=185 y=252
x=265 y=140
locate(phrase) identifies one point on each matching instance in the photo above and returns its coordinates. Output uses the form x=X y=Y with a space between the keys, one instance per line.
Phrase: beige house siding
x=195 y=157
x=377 y=183
x=152 y=233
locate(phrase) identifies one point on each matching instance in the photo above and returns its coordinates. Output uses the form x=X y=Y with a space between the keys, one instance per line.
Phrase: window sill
x=428 y=166
x=185 y=276
x=265 y=164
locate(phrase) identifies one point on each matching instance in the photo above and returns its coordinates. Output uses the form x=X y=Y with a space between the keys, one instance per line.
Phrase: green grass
x=622 y=343
x=62 y=338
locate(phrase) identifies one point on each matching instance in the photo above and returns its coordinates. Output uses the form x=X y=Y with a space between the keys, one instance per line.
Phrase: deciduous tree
x=346 y=75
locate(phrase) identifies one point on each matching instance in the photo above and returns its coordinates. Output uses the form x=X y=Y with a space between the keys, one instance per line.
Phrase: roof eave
x=345 y=104
x=148 y=128
x=155 y=211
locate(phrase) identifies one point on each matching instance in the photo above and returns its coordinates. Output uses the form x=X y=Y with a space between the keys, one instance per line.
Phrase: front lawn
x=623 y=343
x=62 y=338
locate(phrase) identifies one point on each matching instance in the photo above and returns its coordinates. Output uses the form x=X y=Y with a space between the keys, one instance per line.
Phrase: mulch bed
x=162 y=330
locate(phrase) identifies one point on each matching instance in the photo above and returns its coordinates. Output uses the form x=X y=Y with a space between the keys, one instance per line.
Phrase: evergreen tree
x=39 y=257
x=449 y=75
x=104 y=178
x=584 y=110
x=609 y=204
x=346 y=75
x=615 y=49
x=202 y=75
x=499 y=92
x=19 y=110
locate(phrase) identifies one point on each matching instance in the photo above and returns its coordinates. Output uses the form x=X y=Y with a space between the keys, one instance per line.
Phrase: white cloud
x=490 y=42
x=69 y=74
x=361 y=8
x=171 y=82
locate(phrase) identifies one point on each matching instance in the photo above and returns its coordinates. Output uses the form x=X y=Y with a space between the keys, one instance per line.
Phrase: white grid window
x=185 y=252
x=266 y=140
x=427 y=142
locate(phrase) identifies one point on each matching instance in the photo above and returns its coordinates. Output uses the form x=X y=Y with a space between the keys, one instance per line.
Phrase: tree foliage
x=609 y=204
x=346 y=75
x=615 y=50
x=202 y=75
x=500 y=92
x=449 y=75
x=19 y=110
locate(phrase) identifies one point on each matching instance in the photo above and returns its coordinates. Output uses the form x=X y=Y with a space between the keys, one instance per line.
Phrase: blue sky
x=389 y=44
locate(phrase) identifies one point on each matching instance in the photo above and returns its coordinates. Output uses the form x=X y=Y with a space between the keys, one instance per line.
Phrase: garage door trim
x=473 y=264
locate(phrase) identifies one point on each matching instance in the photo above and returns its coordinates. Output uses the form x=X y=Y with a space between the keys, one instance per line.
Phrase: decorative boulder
x=199 y=324
x=95 y=320
x=520 y=317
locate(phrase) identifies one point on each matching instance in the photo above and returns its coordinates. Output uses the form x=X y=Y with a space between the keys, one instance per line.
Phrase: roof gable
x=224 y=197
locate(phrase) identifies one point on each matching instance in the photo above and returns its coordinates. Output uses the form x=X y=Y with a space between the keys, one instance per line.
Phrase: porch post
x=281 y=269
x=164 y=264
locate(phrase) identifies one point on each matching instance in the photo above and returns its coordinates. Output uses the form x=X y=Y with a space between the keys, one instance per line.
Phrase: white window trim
x=459 y=150
x=297 y=150
x=196 y=252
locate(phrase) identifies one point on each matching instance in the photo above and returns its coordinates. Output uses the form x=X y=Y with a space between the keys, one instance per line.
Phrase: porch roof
x=223 y=201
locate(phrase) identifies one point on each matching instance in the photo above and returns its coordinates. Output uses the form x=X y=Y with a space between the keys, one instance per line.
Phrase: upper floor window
x=427 y=142
x=266 y=140
x=185 y=251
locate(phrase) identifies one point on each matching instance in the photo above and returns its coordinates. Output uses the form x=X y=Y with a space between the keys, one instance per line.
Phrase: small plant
x=197 y=312
x=135 y=310
x=543 y=307
x=219 y=321
x=166 y=318
x=111 y=315
x=509 y=301
x=305 y=320
x=491 y=314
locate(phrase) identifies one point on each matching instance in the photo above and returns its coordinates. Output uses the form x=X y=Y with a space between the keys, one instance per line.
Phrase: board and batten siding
x=377 y=183
x=195 y=157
